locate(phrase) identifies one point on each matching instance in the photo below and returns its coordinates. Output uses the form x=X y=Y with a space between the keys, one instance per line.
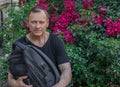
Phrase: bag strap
x=20 y=46
x=51 y=64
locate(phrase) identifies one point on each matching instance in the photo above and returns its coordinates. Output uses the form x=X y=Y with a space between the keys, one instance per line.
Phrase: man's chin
x=37 y=34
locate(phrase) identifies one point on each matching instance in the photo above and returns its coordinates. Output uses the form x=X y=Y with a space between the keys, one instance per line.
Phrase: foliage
x=13 y=27
x=3 y=69
x=90 y=30
x=93 y=58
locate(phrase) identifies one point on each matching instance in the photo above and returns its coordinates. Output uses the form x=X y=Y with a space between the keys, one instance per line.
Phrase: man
x=49 y=43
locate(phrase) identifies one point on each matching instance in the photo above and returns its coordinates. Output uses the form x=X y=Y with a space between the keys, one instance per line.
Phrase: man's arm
x=17 y=83
x=11 y=80
x=66 y=75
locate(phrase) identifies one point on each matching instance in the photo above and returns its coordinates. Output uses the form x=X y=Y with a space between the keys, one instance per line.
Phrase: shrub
x=95 y=62
x=3 y=69
x=90 y=30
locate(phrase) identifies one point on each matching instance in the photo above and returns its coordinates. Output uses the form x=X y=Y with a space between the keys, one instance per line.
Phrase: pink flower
x=42 y=4
x=93 y=14
x=63 y=21
x=53 y=17
x=68 y=37
x=69 y=6
x=108 y=22
x=87 y=4
x=22 y=1
x=98 y=20
x=25 y=26
x=112 y=28
x=118 y=19
x=102 y=10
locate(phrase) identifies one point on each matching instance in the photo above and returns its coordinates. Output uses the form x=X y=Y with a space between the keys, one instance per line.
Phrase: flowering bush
x=90 y=30
x=61 y=19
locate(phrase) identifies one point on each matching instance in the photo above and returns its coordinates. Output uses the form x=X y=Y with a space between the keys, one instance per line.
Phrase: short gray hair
x=38 y=9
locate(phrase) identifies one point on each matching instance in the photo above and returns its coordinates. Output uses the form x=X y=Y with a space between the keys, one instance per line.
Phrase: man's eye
x=33 y=22
x=41 y=22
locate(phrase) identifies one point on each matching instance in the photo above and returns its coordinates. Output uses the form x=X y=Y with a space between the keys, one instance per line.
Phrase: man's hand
x=17 y=83
x=58 y=85
x=20 y=82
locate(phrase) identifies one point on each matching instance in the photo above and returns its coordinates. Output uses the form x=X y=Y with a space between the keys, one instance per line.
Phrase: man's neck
x=37 y=40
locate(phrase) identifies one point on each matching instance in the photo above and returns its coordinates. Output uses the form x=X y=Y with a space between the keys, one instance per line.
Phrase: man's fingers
x=22 y=77
x=30 y=86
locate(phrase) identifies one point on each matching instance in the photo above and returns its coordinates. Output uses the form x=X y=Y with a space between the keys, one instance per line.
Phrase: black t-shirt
x=53 y=48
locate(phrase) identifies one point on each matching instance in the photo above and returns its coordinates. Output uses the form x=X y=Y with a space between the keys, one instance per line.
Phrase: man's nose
x=38 y=25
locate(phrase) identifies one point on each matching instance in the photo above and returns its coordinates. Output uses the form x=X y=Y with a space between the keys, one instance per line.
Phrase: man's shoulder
x=21 y=39
x=54 y=36
x=55 y=40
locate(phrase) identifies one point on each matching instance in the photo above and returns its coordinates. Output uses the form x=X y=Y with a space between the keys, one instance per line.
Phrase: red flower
x=63 y=21
x=112 y=28
x=25 y=26
x=42 y=4
x=87 y=4
x=22 y=1
x=98 y=20
x=102 y=10
x=53 y=17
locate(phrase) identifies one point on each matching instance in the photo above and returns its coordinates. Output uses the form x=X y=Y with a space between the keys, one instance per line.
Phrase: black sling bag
x=41 y=71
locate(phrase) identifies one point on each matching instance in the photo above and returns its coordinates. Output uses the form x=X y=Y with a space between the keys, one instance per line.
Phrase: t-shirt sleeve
x=60 y=52
x=21 y=39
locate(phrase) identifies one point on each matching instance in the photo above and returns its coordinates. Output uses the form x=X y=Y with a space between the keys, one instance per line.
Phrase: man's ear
x=48 y=23
x=27 y=22
x=26 y=26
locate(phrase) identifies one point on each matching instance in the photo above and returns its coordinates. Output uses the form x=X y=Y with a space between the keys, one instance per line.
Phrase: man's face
x=38 y=23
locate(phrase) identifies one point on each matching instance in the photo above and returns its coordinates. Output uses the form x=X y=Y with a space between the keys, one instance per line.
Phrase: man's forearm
x=65 y=78
x=66 y=75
